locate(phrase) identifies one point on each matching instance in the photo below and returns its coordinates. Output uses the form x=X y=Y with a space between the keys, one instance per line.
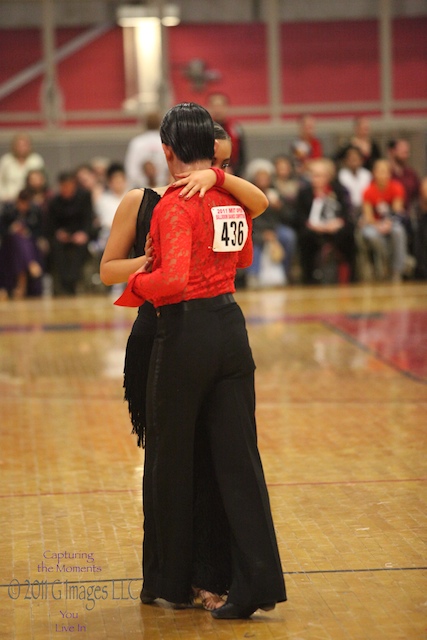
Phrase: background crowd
x=358 y=215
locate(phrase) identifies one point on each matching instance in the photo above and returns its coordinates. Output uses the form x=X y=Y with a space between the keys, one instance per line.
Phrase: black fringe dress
x=140 y=341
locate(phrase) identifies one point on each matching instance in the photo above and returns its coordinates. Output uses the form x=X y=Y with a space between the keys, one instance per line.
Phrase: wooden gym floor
x=342 y=420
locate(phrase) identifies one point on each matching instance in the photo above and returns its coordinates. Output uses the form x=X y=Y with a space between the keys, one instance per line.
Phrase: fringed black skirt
x=137 y=364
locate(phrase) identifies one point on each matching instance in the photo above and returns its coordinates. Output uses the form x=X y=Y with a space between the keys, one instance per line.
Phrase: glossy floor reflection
x=342 y=416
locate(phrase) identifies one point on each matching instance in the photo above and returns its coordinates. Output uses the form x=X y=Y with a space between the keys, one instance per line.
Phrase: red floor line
x=296 y=484
x=270 y=484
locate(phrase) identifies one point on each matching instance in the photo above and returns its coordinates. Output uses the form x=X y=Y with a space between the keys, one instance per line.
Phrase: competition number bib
x=230 y=228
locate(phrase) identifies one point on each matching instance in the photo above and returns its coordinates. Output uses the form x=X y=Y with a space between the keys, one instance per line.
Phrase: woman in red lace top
x=202 y=365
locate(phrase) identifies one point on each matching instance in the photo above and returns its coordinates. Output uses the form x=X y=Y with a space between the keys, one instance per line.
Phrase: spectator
x=20 y=255
x=323 y=218
x=300 y=152
x=147 y=148
x=87 y=179
x=37 y=184
x=15 y=165
x=99 y=164
x=306 y=139
x=272 y=232
x=355 y=178
x=383 y=210
x=70 y=218
x=218 y=107
x=40 y=192
x=420 y=245
x=399 y=153
x=107 y=203
x=284 y=179
x=362 y=140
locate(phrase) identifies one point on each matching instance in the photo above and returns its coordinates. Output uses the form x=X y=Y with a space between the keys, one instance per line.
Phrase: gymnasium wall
x=322 y=62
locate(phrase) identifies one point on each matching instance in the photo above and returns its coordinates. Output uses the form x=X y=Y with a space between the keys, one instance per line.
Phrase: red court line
x=270 y=484
x=337 y=482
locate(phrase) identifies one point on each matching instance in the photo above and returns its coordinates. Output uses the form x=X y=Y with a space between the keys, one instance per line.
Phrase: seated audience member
x=362 y=139
x=324 y=220
x=399 y=153
x=420 y=244
x=107 y=203
x=284 y=179
x=382 y=227
x=70 y=218
x=87 y=179
x=355 y=178
x=15 y=165
x=272 y=232
x=21 y=257
x=306 y=129
x=37 y=184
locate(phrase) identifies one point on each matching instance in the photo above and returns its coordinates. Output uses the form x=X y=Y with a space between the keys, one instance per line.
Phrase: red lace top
x=185 y=266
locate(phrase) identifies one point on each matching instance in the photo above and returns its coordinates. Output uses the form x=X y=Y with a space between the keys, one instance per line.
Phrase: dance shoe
x=235 y=612
x=146 y=596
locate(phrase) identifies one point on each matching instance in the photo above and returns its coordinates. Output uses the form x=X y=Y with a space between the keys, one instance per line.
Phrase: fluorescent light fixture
x=134 y=15
x=171 y=15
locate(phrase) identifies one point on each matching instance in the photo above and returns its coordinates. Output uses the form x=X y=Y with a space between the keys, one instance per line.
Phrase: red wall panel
x=330 y=61
x=321 y=62
x=92 y=78
x=19 y=48
x=410 y=58
x=238 y=52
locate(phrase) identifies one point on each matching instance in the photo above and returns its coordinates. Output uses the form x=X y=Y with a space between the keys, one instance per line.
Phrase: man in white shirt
x=146 y=150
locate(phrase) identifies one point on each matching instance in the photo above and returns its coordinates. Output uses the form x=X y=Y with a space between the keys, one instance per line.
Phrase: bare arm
x=116 y=266
x=252 y=198
x=367 y=214
x=397 y=205
x=382 y=225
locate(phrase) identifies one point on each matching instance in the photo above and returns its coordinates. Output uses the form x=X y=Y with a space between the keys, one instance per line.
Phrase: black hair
x=220 y=133
x=24 y=195
x=189 y=130
x=352 y=147
x=66 y=176
x=114 y=167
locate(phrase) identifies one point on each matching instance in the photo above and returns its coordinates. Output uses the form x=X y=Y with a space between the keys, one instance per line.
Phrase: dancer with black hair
x=201 y=365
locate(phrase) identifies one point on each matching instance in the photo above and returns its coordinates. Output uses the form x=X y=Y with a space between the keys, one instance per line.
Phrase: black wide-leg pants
x=202 y=378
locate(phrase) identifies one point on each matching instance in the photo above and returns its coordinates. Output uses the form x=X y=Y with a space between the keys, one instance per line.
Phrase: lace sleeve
x=175 y=237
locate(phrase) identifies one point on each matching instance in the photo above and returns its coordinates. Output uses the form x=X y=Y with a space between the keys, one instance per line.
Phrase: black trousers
x=201 y=388
x=68 y=260
x=310 y=244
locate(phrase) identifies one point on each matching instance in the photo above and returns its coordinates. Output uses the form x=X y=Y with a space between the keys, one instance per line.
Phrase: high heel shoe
x=235 y=612
x=147 y=597
x=210 y=601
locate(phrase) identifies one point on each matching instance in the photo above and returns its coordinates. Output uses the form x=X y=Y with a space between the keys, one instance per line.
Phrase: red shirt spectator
x=382 y=199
